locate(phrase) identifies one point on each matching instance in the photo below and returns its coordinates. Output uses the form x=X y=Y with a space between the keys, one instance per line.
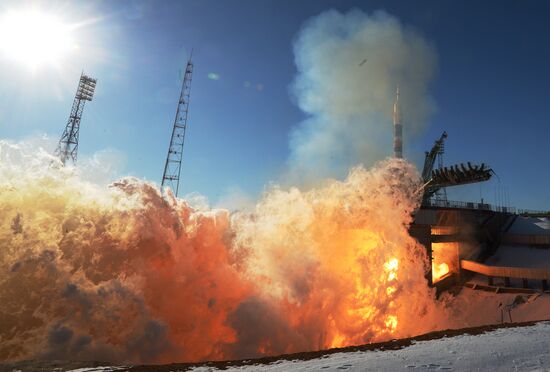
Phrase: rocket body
x=397 y=128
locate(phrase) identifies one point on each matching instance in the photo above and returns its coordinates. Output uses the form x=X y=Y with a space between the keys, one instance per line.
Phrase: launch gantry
x=436 y=180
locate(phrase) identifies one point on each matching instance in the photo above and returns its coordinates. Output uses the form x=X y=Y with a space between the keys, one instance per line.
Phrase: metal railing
x=468 y=205
x=531 y=212
x=485 y=207
x=505 y=271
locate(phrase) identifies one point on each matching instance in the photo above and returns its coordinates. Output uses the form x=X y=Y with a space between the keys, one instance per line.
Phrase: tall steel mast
x=172 y=167
x=68 y=144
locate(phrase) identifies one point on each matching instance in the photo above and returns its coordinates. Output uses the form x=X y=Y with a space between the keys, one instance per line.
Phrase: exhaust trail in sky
x=348 y=67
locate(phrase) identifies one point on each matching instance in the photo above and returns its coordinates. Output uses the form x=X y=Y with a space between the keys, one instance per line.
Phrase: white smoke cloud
x=349 y=101
x=100 y=168
x=103 y=166
x=120 y=273
x=235 y=198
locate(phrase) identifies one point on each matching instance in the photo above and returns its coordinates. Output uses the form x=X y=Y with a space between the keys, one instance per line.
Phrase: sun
x=34 y=38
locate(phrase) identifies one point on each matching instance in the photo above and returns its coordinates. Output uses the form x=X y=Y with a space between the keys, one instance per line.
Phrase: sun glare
x=34 y=38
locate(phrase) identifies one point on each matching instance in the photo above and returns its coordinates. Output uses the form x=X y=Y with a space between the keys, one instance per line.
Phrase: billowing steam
x=118 y=273
x=348 y=68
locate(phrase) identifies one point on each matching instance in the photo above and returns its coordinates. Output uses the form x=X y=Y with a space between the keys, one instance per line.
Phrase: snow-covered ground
x=530 y=226
x=472 y=308
x=506 y=349
x=520 y=256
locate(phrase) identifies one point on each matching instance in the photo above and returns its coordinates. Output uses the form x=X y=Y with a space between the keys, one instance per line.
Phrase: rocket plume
x=117 y=273
x=348 y=103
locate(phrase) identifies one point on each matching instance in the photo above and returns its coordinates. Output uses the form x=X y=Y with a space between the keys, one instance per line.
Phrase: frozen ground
x=520 y=256
x=508 y=349
x=474 y=308
x=530 y=226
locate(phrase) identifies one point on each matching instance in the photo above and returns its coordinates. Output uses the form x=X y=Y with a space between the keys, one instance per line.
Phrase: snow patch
x=520 y=349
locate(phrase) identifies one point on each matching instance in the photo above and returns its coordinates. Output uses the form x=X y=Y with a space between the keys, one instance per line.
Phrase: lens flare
x=34 y=38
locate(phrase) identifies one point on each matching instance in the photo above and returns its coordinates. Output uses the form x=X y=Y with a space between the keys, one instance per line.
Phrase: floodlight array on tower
x=67 y=147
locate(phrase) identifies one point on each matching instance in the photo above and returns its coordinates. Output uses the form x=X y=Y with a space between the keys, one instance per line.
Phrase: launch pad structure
x=461 y=238
x=463 y=235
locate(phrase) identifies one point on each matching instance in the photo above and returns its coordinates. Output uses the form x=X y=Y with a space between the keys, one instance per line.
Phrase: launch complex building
x=478 y=245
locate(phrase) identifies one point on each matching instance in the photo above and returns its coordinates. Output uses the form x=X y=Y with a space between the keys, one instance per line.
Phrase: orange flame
x=123 y=272
x=439 y=271
x=445 y=256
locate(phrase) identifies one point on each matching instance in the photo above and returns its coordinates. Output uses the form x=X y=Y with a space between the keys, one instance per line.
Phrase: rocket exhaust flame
x=117 y=273
x=445 y=259
x=439 y=271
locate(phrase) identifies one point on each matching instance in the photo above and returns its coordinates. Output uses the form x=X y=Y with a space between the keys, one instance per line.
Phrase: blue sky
x=489 y=90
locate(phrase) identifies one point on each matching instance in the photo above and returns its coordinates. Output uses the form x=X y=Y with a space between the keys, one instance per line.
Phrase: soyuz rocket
x=397 y=128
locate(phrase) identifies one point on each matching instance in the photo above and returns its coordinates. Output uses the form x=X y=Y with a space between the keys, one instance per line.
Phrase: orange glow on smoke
x=360 y=312
x=123 y=273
